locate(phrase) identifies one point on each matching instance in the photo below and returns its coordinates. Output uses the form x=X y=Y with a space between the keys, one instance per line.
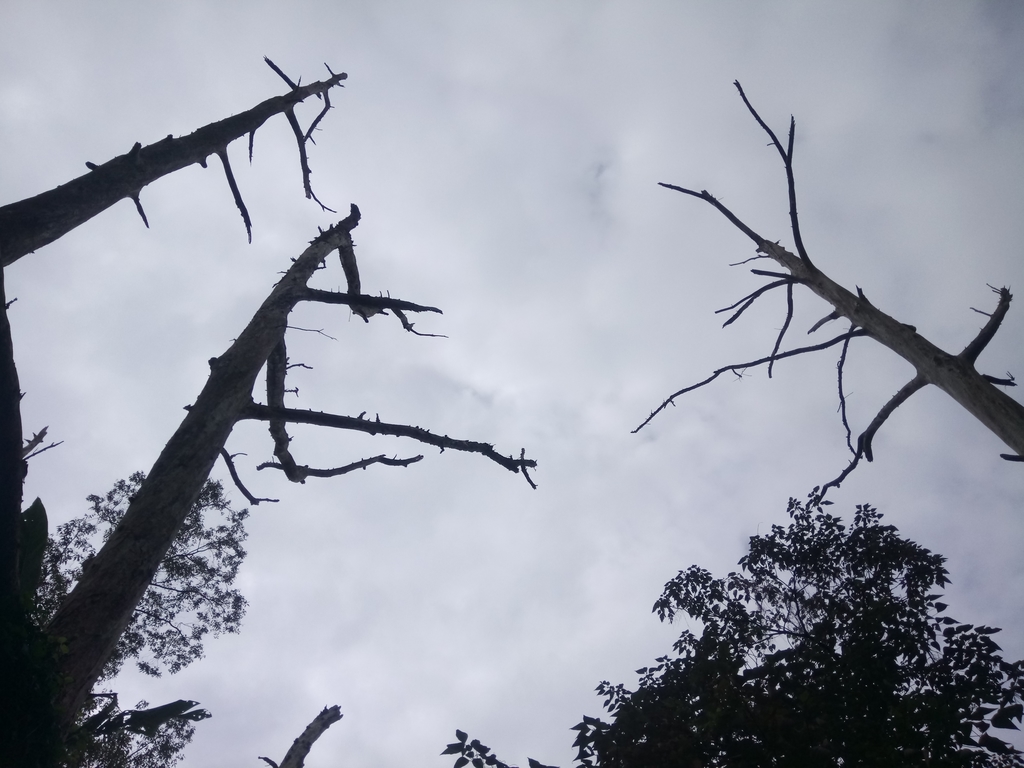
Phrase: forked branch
x=953 y=374
x=377 y=427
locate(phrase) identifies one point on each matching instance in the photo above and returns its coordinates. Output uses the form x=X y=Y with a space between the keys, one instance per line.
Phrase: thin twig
x=785 y=326
x=229 y=460
x=742 y=366
x=787 y=159
x=749 y=299
x=842 y=396
x=709 y=198
x=864 y=441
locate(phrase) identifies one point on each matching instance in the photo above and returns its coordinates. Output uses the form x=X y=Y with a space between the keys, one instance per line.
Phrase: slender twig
x=864 y=441
x=222 y=153
x=749 y=299
x=840 y=366
x=742 y=366
x=304 y=159
x=323 y=113
x=787 y=159
x=311 y=330
x=229 y=460
x=709 y=198
x=43 y=450
x=785 y=326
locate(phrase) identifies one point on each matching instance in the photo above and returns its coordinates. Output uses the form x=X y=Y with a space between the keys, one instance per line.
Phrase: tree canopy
x=829 y=647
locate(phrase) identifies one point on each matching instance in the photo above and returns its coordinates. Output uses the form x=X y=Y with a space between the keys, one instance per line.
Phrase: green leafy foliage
x=190 y=597
x=478 y=755
x=191 y=594
x=830 y=648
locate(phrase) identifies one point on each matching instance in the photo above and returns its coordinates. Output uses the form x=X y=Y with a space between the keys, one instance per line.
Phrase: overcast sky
x=505 y=157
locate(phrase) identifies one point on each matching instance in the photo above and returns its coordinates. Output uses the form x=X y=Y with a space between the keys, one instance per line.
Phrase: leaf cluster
x=191 y=594
x=829 y=648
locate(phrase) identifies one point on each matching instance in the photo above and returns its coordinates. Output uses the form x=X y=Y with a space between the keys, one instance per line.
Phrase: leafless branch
x=752 y=364
x=310 y=330
x=303 y=471
x=840 y=367
x=864 y=441
x=296 y=416
x=986 y=334
x=304 y=159
x=749 y=299
x=376 y=302
x=323 y=113
x=43 y=450
x=229 y=460
x=785 y=326
x=409 y=326
x=787 y=159
x=222 y=153
x=709 y=198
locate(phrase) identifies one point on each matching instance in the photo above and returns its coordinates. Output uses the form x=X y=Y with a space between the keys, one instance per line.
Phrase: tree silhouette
x=88 y=624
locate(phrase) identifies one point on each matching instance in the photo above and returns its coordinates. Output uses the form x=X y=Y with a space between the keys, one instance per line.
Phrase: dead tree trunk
x=96 y=612
x=954 y=374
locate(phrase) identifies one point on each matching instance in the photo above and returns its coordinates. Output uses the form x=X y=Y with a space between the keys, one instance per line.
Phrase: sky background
x=505 y=157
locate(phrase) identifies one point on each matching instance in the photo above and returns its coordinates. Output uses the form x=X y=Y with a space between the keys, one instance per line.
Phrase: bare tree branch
x=749 y=299
x=988 y=332
x=743 y=366
x=296 y=416
x=785 y=326
x=787 y=159
x=840 y=367
x=229 y=460
x=375 y=302
x=222 y=153
x=864 y=441
x=303 y=471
